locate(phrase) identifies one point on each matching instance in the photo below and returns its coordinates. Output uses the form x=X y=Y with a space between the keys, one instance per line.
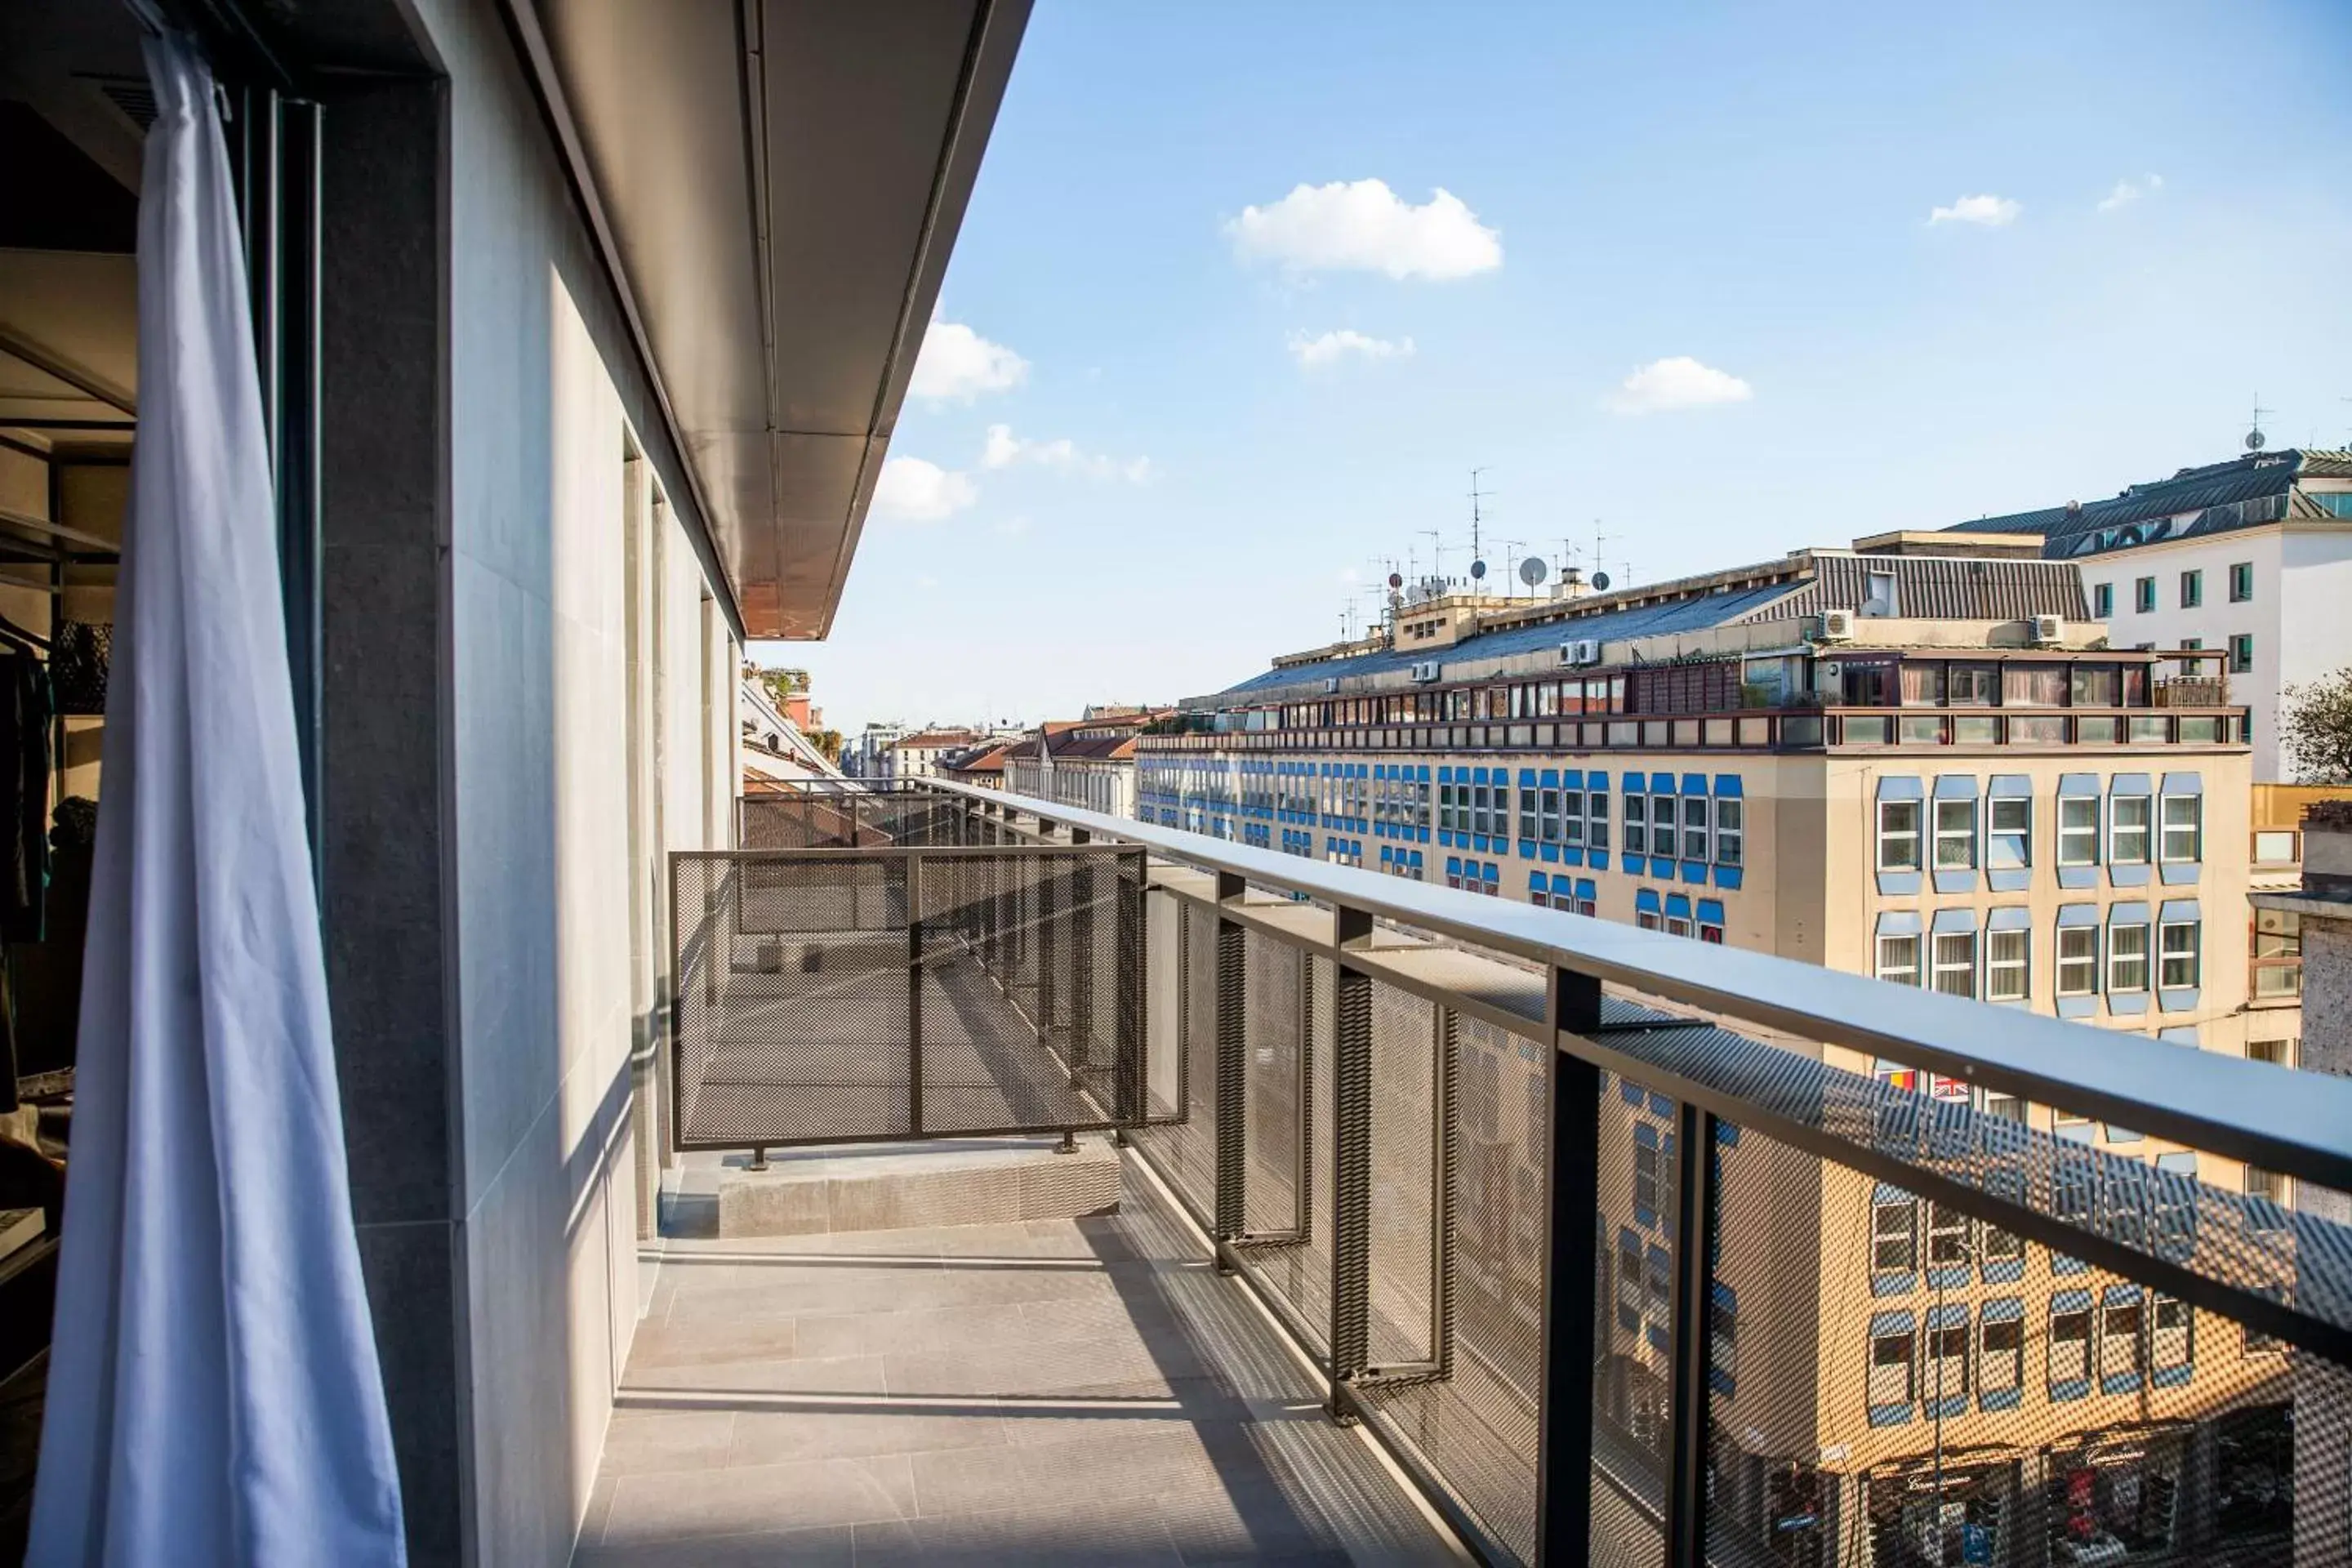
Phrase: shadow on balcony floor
x=1056 y=1391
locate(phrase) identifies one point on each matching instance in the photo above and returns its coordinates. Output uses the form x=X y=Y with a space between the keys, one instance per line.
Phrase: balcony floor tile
x=1054 y=1393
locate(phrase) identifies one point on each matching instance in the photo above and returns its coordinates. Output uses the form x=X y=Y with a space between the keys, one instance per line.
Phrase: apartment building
x=917 y=756
x=1908 y=758
x=2251 y=559
x=1088 y=762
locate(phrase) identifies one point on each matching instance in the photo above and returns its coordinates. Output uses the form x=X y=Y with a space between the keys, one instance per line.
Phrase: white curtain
x=214 y=1394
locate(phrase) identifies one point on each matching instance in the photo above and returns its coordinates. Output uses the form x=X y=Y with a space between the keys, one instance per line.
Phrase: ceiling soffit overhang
x=776 y=185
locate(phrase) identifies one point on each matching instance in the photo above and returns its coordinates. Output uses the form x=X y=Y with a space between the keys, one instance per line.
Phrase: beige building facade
x=1999 y=807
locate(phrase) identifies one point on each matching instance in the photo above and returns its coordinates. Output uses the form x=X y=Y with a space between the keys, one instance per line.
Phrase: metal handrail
x=2298 y=1125
x=1531 y=973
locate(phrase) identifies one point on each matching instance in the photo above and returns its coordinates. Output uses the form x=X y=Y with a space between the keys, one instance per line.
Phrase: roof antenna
x=1478 y=556
x=2254 y=437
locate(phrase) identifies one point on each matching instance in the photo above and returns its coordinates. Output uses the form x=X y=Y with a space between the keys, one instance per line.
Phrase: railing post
x=1564 y=1409
x=1128 y=1042
x=1232 y=1060
x=1687 y=1390
x=1082 y=963
x=1048 y=951
x=1352 y=1166
x=915 y=995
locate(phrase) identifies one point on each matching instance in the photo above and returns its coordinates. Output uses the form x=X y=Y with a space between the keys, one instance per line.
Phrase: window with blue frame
x=2172 y=1341
x=2123 y=1350
x=1723 y=1347
x=2070 y=1344
x=1894 y=1236
x=2000 y=1353
x=1697 y=824
x=1636 y=816
x=1630 y=1281
x=1894 y=1367
x=1730 y=829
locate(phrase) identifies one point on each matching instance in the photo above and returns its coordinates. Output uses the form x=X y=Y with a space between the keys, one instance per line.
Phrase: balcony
x=1445 y=1226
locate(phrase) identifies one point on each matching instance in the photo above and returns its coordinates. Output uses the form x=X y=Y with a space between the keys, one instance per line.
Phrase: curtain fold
x=213 y=1392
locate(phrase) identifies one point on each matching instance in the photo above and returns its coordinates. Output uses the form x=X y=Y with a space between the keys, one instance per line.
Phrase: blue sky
x=1193 y=474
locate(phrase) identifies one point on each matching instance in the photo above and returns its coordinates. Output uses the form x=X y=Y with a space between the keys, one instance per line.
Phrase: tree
x=828 y=745
x=2316 y=728
x=783 y=684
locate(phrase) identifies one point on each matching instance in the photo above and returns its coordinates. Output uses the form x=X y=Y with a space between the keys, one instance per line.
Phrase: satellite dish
x=1396 y=579
x=1600 y=582
x=1477 y=570
x=2253 y=440
x=1533 y=570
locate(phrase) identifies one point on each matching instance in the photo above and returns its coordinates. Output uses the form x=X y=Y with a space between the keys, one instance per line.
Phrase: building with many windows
x=1913 y=759
x=1086 y=761
x=2249 y=559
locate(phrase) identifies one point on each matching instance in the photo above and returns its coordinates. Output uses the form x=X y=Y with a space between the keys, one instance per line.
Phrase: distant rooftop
x=2244 y=492
x=1936 y=583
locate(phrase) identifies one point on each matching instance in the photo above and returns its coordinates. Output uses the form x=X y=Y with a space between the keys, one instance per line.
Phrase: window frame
x=2117 y=956
x=2063 y=961
x=1730 y=830
x=2081 y=1374
x=1938 y=967
x=1898 y=973
x=2193 y=955
x=2144 y=596
x=2015 y=841
x=2078 y=834
x=2144 y=830
x=2102 y=601
x=1914 y=835
x=2009 y=1359
x=2021 y=964
x=2192 y=588
x=1877 y=1365
x=2241 y=582
x=1964 y=834
x=1633 y=821
x=2193 y=828
x=1698 y=819
x=1881 y=1235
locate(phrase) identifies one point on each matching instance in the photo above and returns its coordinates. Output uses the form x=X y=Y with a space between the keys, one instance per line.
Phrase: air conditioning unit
x=1584 y=652
x=1837 y=626
x=1426 y=670
x=2049 y=631
x=1330 y=683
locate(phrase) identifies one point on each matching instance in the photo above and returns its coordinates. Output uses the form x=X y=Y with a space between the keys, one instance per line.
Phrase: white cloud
x=1003 y=449
x=1332 y=347
x=1364 y=226
x=957 y=364
x=2130 y=190
x=1011 y=527
x=1680 y=381
x=914 y=490
x=1988 y=211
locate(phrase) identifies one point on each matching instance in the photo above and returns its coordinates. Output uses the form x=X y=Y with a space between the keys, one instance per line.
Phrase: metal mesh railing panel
x=1189 y=1149
x=1896 y=1382
x=1277 y=999
x=798 y=1028
x=1404 y=1297
x=1299 y=1271
x=1475 y=1426
x=838 y=994
x=2126 y=1199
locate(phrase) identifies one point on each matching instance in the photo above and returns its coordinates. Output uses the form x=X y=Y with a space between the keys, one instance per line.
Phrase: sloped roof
x=1697 y=613
x=2210 y=499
